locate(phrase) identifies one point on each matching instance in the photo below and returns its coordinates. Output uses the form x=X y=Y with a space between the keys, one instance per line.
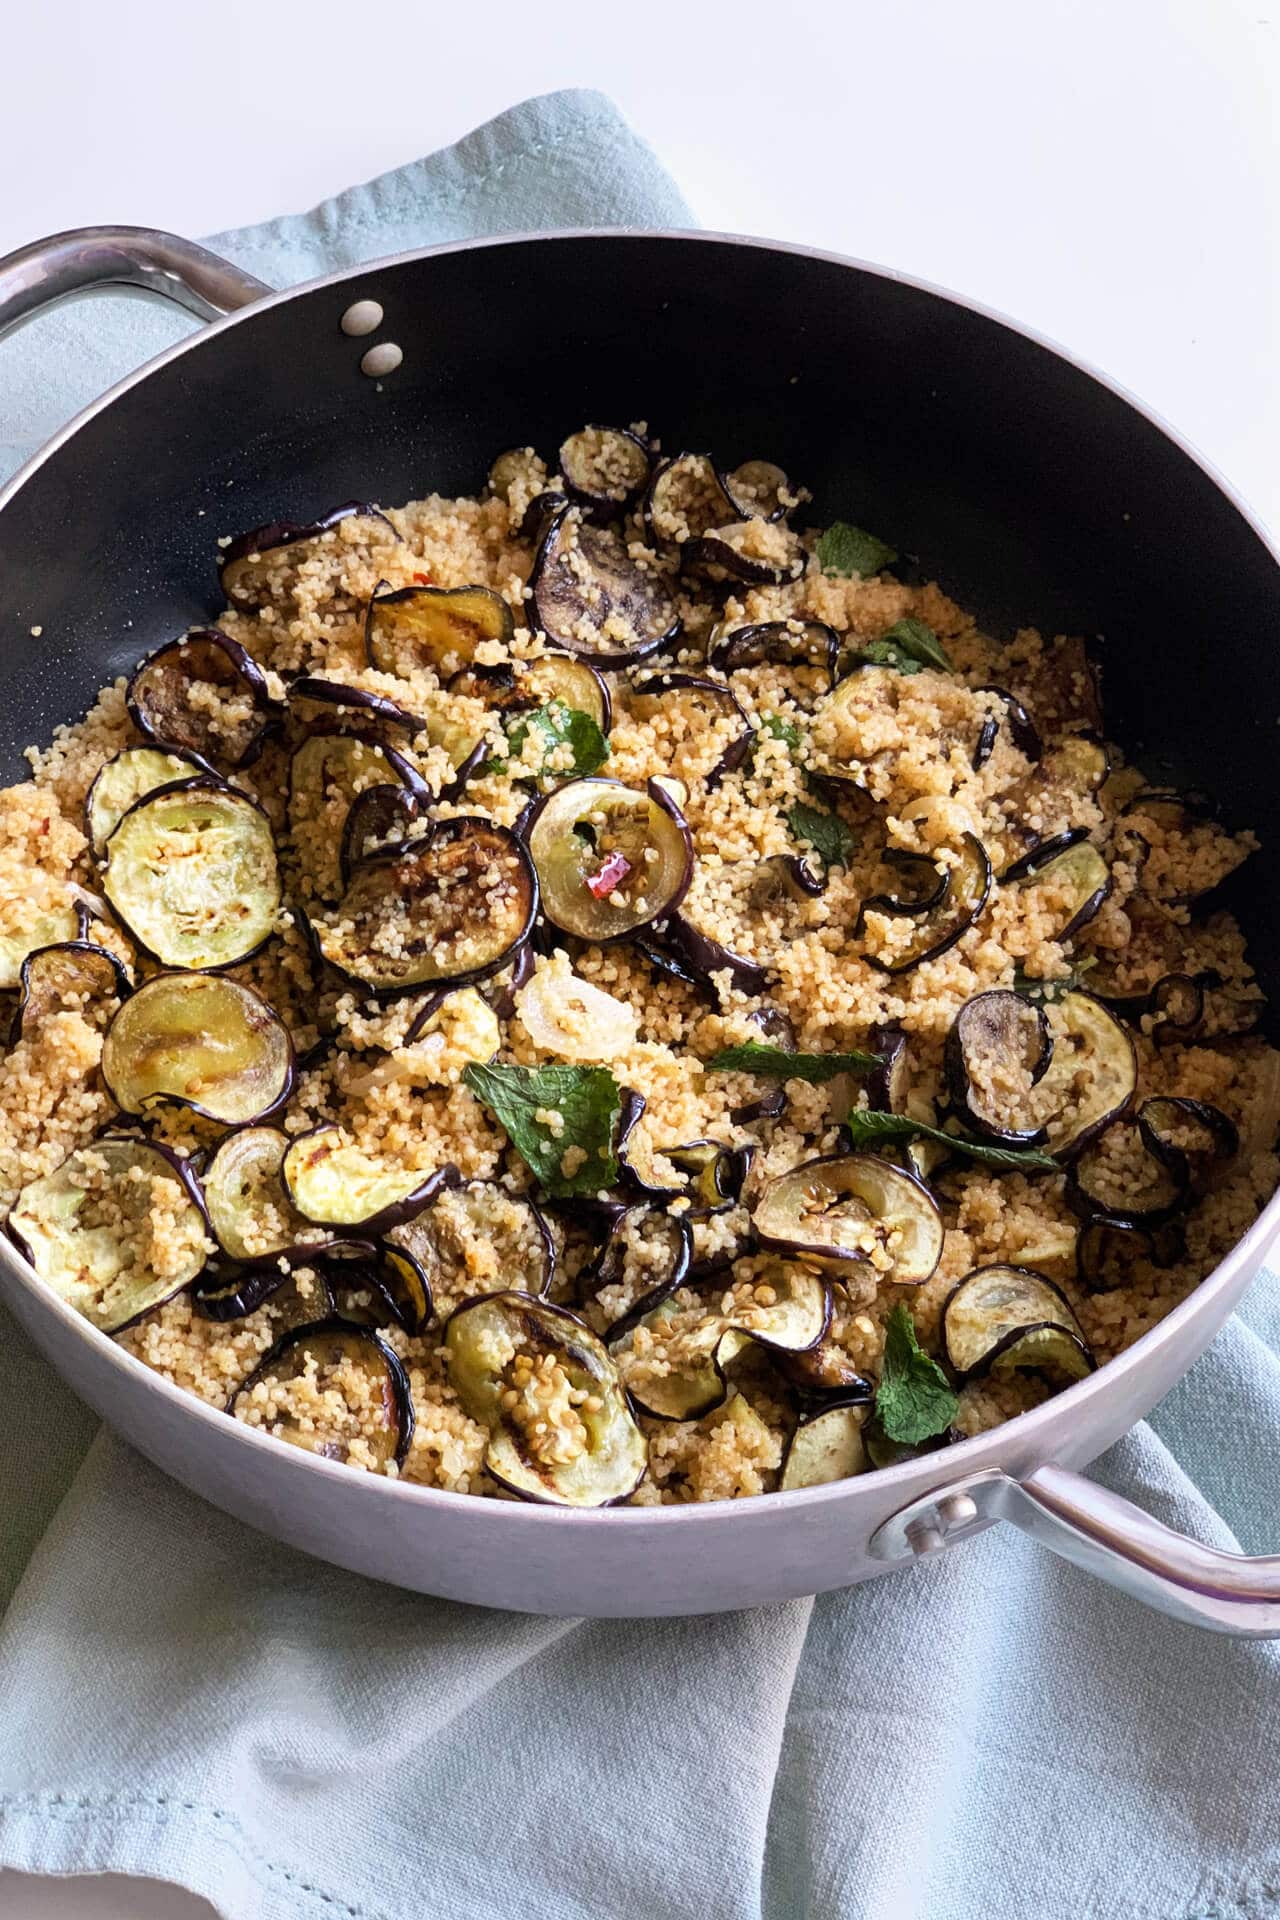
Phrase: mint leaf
x=776 y=1064
x=869 y=1128
x=847 y=550
x=778 y=727
x=920 y=642
x=586 y=1098
x=829 y=837
x=557 y=725
x=886 y=653
x=913 y=1400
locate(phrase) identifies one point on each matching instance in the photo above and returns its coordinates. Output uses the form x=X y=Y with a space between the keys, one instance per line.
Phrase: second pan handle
x=123 y=260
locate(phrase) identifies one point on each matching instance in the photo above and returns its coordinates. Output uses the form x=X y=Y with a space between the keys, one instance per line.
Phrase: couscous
x=603 y=992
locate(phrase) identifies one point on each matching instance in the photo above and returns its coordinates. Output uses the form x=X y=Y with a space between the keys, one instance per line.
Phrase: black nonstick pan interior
x=1034 y=494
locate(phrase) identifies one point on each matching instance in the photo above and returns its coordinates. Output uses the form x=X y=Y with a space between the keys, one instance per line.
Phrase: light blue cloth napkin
x=989 y=1735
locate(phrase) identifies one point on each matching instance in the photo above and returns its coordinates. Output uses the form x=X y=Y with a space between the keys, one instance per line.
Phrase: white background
x=1105 y=170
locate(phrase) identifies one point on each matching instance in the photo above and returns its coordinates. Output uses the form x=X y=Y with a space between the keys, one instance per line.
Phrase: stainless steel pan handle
x=121 y=260
x=1229 y=1592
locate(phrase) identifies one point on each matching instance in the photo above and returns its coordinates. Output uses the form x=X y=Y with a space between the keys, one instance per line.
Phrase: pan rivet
x=924 y=1538
x=957 y=1511
x=361 y=317
x=384 y=358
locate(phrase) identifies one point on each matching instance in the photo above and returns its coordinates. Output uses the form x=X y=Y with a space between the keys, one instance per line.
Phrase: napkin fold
x=990 y=1733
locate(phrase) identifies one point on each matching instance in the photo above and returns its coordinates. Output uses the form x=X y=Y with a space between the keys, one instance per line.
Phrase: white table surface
x=1107 y=171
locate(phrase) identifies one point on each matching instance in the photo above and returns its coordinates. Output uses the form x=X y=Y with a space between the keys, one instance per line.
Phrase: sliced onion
x=339 y=1361
x=839 y=1208
x=181 y=692
x=452 y=908
x=573 y=1019
x=589 y=840
x=408 y=628
x=88 y=1229
x=334 y=1183
x=199 y=1041
x=126 y=777
x=591 y=1457
x=192 y=873
x=591 y=597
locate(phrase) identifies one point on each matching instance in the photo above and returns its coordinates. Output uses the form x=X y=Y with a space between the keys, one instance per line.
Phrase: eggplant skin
x=162 y=715
x=349 y=1334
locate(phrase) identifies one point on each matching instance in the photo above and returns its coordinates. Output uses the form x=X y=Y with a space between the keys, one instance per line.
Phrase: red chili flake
x=610 y=874
x=423 y=579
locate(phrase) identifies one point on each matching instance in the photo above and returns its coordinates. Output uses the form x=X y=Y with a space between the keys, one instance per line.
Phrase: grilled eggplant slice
x=757 y=490
x=184 y=695
x=116 y=1230
x=1079 y=873
x=126 y=777
x=452 y=908
x=591 y=842
x=685 y=500
x=1114 y=1253
x=378 y=818
x=605 y=469
x=1191 y=1138
x=327 y=773
x=252 y=1217
x=229 y=1292
x=591 y=597
x=645 y=1232
x=783 y=643
x=968 y=885
x=472 y=1237
x=701 y=957
x=407 y=628
x=1004 y=1319
x=998 y=1049
x=333 y=1183
x=560 y=1428
x=827 y=1445
x=258 y=568
x=60 y=926
x=314 y=695
x=347 y=1385
x=1118 y=1174
x=757 y=552
x=200 y=1041
x=846 y=1206
x=1022 y=729
x=192 y=873
x=1092 y=1077
x=674 y=1357
x=70 y=974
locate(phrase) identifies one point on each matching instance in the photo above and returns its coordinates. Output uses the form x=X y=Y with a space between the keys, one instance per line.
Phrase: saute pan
x=1034 y=489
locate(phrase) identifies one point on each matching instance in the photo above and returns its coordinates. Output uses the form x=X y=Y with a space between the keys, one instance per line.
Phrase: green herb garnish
x=829 y=837
x=913 y=1400
x=587 y=1100
x=847 y=550
x=907 y=646
x=870 y=1128
x=776 y=1064
x=778 y=727
x=555 y=726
